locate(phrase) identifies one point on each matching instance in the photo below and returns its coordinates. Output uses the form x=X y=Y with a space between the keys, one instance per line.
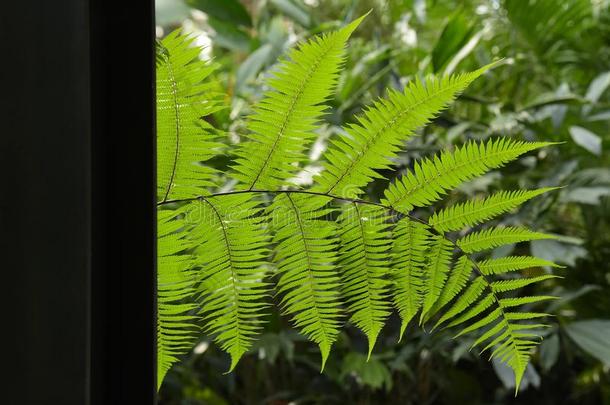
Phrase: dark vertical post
x=123 y=282
x=77 y=202
x=45 y=203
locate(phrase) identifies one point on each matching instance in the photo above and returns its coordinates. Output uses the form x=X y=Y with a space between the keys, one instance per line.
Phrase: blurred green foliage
x=553 y=86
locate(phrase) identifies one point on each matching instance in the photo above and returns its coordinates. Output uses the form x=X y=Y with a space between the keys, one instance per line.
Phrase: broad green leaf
x=592 y=336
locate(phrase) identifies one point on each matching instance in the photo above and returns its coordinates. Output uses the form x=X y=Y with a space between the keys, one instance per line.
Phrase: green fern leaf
x=220 y=269
x=512 y=263
x=481 y=306
x=509 y=285
x=438 y=266
x=515 y=302
x=284 y=121
x=486 y=320
x=382 y=130
x=233 y=247
x=523 y=316
x=498 y=328
x=305 y=253
x=471 y=294
x=505 y=335
x=494 y=237
x=432 y=178
x=456 y=282
x=474 y=212
x=185 y=94
x=411 y=241
x=364 y=256
x=176 y=325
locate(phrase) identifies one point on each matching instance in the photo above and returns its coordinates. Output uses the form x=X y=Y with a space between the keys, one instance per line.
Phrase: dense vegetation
x=550 y=87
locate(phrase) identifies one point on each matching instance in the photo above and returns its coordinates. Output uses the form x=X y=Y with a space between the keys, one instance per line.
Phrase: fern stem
x=353 y=200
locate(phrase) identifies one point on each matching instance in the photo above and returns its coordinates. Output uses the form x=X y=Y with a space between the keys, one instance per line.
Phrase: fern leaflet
x=232 y=248
x=364 y=257
x=382 y=130
x=176 y=325
x=184 y=96
x=431 y=179
x=306 y=258
x=411 y=243
x=283 y=123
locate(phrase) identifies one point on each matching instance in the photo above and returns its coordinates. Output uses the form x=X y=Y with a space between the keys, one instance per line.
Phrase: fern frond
x=484 y=321
x=456 y=282
x=509 y=285
x=475 y=212
x=176 y=325
x=515 y=302
x=512 y=263
x=439 y=263
x=364 y=255
x=494 y=237
x=411 y=241
x=214 y=250
x=185 y=94
x=472 y=293
x=383 y=129
x=481 y=306
x=500 y=329
x=233 y=247
x=306 y=257
x=430 y=179
x=283 y=122
x=522 y=316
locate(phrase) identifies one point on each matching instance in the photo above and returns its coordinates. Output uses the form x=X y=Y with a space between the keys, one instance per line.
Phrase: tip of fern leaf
x=436 y=325
x=490 y=66
x=403 y=328
x=518 y=377
x=324 y=351
x=372 y=341
x=424 y=317
x=234 y=361
x=351 y=27
x=404 y=323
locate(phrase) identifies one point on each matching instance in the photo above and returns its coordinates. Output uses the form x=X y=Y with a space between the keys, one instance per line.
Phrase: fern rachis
x=329 y=255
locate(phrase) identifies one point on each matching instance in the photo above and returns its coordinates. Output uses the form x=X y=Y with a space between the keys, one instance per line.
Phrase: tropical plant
x=228 y=242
